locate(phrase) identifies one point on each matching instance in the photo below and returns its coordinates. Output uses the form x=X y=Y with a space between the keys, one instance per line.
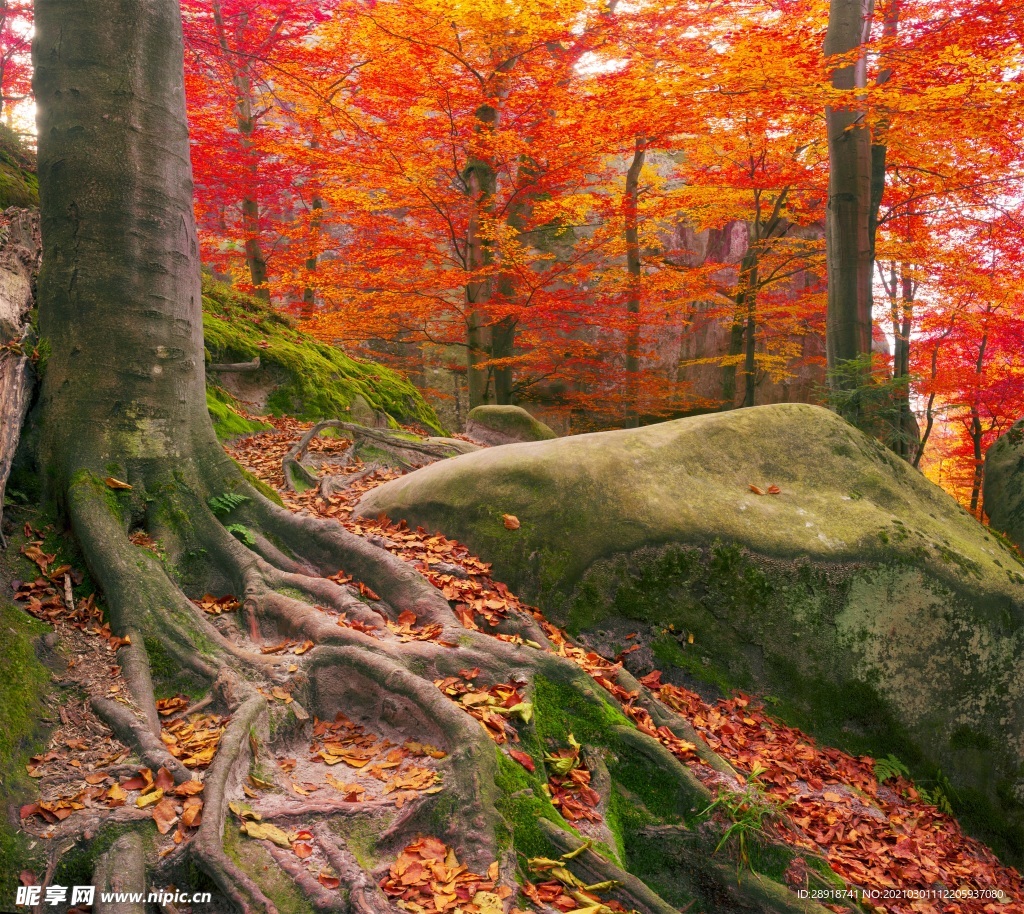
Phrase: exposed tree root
x=407 y=453
x=360 y=662
x=121 y=869
x=133 y=732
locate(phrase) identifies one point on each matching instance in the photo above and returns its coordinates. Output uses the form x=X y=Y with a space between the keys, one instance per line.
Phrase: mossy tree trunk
x=124 y=397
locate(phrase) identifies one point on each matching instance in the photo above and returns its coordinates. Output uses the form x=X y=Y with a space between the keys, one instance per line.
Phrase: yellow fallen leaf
x=149 y=799
x=116 y=483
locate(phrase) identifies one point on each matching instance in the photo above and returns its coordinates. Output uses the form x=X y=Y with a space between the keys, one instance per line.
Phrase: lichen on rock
x=860 y=597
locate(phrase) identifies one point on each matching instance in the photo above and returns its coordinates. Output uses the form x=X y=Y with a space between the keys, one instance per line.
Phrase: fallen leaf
x=511 y=521
x=116 y=483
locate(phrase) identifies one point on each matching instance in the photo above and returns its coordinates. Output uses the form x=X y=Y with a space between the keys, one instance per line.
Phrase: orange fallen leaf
x=511 y=521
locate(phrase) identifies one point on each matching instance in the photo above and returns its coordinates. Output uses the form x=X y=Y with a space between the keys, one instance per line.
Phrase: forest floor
x=893 y=851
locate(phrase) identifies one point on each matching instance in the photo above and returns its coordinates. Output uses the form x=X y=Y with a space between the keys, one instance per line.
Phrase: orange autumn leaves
x=170 y=804
x=427 y=878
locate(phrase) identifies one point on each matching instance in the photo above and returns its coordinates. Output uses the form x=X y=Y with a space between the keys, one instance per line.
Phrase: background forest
x=276 y=640
x=615 y=212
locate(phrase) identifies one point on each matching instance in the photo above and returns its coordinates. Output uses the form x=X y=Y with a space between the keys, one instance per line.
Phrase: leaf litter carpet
x=878 y=837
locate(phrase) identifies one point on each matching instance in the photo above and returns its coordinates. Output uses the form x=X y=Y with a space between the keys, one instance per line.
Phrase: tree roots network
x=292 y=709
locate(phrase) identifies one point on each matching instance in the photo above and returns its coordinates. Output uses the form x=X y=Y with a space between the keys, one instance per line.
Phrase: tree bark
x=848 y=219
x=634 y=271
x=119 y=288
x=245 y=121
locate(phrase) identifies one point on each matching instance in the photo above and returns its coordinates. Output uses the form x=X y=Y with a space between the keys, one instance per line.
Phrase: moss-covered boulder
x=861 y=599
x=18 y=184
x=505 y=425
x=1004 y=483
x=296 y=375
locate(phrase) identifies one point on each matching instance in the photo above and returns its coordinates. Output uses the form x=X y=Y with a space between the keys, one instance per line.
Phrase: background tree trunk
x=634 y=269
x=848 y=220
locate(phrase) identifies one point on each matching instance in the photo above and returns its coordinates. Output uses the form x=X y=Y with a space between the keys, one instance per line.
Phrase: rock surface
x=505 y=425
x=1004 y=483
x=19 y=262
x=875 y=611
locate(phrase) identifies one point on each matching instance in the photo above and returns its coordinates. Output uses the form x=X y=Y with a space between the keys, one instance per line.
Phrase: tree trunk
x=480 y=186
x=848 y=219
x=634 y=271
x=245 y=121
x=119 y=289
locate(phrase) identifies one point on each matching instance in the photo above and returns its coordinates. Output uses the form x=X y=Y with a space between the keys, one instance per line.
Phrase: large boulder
x=505 y=425
x=1003 y=493
x=861 y=599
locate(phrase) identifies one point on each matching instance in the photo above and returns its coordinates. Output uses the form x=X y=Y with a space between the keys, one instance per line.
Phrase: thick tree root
x=121 y=869
x=222 y=781
x=408 y=454
x=133 y=732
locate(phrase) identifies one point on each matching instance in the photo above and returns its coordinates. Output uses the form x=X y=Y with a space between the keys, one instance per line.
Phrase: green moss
x=18 y=183
x=169 y=679
x=307 y=379
x=521 y=804
x=250 y=857
x=23 y=688
x=77 y=866
x=227 y=421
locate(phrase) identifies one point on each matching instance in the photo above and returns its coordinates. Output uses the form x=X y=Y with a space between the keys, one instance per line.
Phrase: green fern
x=890 y=768
x=226 y=502
x=242 y=532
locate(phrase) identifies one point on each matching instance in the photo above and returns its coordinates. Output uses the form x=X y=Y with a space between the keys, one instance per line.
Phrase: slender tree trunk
x=245 y=120
x=478 y=290
x=879 y=138
x=848 y=220
x=976 y=431
x=634 y=270
x=480 y=179
x=738 y=330
x=750 y=340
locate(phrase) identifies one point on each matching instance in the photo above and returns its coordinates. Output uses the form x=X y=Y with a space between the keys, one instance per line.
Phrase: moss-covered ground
x=299 y=376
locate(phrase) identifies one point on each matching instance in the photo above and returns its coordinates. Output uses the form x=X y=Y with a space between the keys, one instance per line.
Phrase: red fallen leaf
x=328 y=881
x=27 y=878
x=511 y=521
x=27 y=811
x=652 y=680
x=164 y=780
x=164 y=815
x=366 y=592
x=302 y=850
x=774 y=490
x=523 y=759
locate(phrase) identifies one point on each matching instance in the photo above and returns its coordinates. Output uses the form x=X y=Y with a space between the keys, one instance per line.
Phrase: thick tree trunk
x=119 y=289
x=848 y=220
